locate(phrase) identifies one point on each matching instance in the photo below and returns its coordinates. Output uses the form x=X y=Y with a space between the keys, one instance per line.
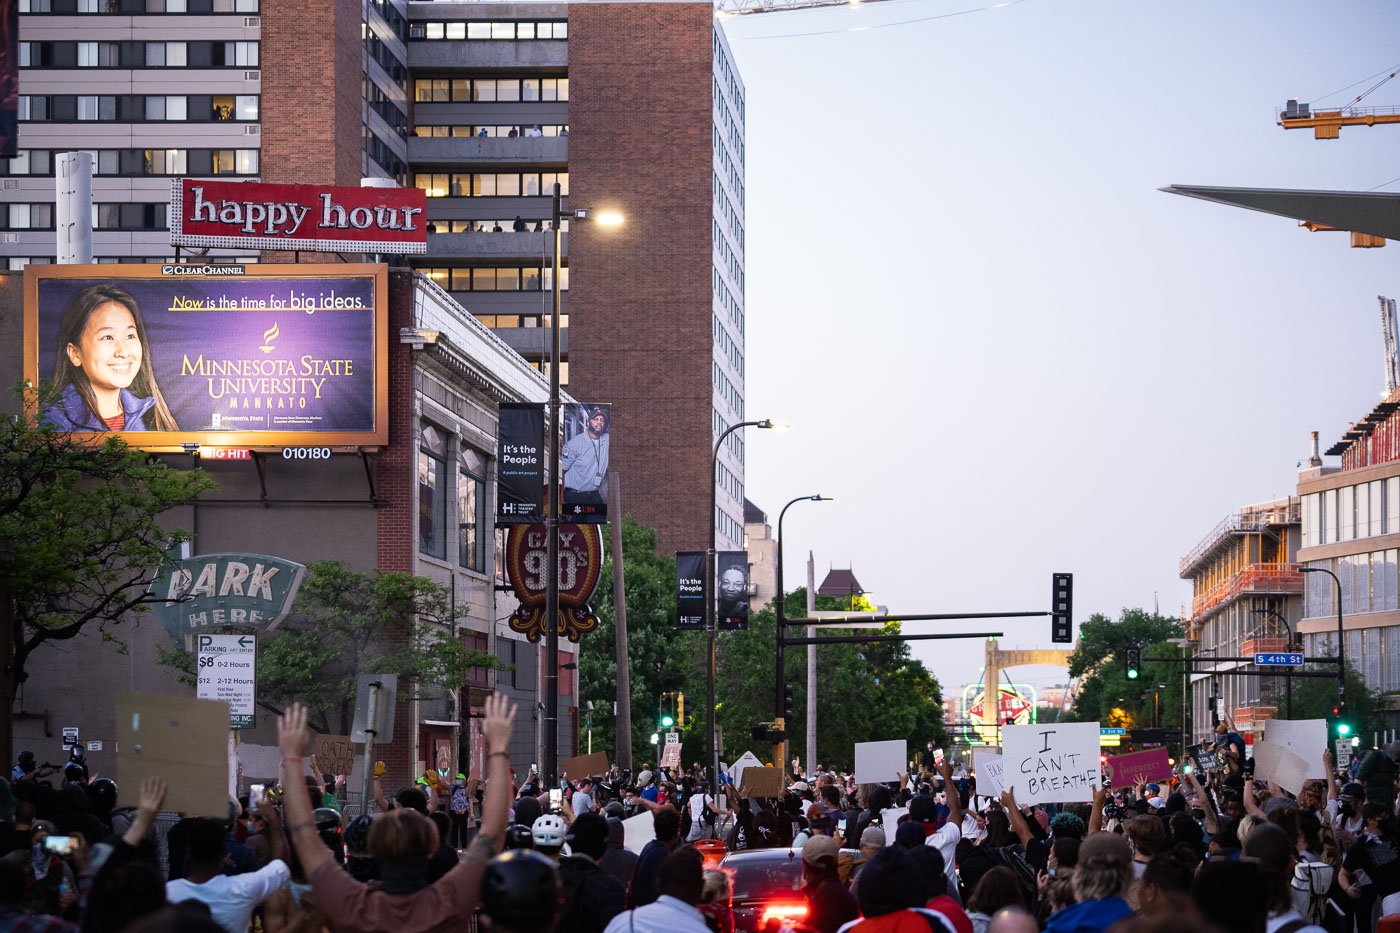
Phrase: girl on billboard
x=104 y=367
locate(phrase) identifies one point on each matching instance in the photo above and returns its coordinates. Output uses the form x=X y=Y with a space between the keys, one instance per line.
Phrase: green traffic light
x=1343 y=729
x=1132 y=675
x=667 y=721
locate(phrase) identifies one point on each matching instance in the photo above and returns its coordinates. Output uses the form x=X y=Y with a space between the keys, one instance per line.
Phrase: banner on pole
x=520 y=464
x=732 y=580
x=690 y=589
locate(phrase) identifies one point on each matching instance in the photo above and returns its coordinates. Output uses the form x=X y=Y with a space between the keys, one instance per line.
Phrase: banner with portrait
x=218 y=355
x=583 y=462
x=732 y=584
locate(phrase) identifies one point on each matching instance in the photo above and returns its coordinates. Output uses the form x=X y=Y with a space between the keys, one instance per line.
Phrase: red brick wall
x=311 y=92
x=640 y=122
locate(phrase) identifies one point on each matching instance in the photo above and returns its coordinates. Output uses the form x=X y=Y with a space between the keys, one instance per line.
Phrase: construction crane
x=745 y=7
x=1327 y=124
x=1390 y=332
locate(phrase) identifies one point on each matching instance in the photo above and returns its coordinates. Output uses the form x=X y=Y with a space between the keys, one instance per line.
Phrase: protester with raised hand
x=401 y=841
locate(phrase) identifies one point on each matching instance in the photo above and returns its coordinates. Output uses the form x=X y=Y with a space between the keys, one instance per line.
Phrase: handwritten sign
x=764 y=782
x=1203 y=759
x=671 y=755
x=1051 y=763
x=988 y=767
x=881 y=762
x=1154 y=764
x=335 y=754
x=586 y=766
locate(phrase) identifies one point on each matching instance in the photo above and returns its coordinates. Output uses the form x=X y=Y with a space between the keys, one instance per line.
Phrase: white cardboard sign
x=889 y=819
x=988 y=767
x=637 y=831
x=736 y=770
x=881 y=762
x=1048 y=763
x=1277 y=763
x=1306 y=738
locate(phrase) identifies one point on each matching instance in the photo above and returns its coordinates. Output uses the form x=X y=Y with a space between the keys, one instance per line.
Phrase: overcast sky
x=1000 y=347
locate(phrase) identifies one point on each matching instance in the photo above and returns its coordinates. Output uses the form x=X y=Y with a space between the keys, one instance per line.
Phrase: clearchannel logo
x=184 y=269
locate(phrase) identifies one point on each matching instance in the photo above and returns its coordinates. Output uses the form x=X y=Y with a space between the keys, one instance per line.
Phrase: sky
x=1001 y=349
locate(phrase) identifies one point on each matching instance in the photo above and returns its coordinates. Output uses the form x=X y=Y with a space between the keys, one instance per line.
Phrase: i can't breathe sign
x=1051 y=763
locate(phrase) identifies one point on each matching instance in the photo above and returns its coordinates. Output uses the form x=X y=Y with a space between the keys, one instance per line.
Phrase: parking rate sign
x=227 y=672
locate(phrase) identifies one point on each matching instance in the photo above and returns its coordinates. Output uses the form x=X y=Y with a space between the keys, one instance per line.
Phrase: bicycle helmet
x=549 y=830
x=328 y=828
x=357 y=836
x=103 y=792
x=1353 y=790
x=519 y=837
x=520 y=890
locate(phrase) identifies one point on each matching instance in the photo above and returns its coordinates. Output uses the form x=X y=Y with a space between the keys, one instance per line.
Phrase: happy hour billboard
x=251 y=355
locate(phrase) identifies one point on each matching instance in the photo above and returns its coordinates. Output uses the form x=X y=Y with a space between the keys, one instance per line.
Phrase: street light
x=711 y=740
x=1288 y=671
x=550 y=719
x=1341 y=639
x=782 y=617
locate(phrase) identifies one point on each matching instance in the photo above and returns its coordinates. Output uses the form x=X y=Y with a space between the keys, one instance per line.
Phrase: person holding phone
x=51 y=886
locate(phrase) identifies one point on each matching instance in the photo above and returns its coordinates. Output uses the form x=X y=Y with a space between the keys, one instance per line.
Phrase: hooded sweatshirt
x=1089 y=917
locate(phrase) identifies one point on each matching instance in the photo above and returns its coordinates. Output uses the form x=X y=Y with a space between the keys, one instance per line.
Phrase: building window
x=236 y=54
x=471 y=511
x=165 y=162
x=92 y=107
x=30 y=216
x=432 y=493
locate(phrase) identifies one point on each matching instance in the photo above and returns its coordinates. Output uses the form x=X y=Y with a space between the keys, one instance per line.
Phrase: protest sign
x=988 y=767
x=889 y=819
x=637 y=831
x=586 y=766
x=1306 y=738
x=1277 y=763
x=881 y=762
x=736 y=770
x=671 y=755
x=1051 y=763
x=335 y=754
x=166 y=736
x=1154 y=764
x=763 y=782
x=1200 y=758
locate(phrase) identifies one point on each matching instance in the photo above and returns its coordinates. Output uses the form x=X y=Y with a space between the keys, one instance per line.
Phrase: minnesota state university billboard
x=270 y=355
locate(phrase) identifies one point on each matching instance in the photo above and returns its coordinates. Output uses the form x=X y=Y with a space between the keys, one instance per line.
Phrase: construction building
x=636 y=107
x=763 y=557
x=1246 y=598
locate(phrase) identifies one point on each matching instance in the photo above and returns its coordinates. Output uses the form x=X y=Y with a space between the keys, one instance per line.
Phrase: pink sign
x=1126 y=770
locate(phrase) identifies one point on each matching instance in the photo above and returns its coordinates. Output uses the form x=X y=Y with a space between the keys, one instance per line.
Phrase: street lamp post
x=550 y=720
x=711 y=595
x=1341 y=638
x=782 y=617
x=1287 y=671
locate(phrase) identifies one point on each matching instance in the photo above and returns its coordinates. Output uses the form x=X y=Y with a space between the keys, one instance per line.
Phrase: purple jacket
x=70 y=414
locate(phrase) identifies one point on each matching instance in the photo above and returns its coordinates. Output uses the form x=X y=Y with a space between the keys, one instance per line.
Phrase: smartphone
x=841 y=827
x=534 y=768
x=937 y=757
x=256 y=794
x=556 y=798
x=60 y=845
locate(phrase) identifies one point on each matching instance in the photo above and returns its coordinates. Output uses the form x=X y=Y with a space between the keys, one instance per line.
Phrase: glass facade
x=1364 y=510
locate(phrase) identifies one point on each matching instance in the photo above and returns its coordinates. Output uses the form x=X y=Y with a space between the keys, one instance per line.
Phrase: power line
x=1355 y=83
x=905 y=22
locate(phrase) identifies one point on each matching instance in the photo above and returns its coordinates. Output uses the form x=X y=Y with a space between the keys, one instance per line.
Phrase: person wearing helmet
x=592 y=897
x=520 y=893
x=401 y=840
x=548 y=832
x=357 y=858
x=519 y=837
x=1346 y=814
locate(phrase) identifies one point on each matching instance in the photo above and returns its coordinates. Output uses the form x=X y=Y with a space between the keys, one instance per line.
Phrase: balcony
x=533 y=245
x=519 y=53
x=480 y=150
x=1261 y=645
x=1250 y=520
x=1255 y=580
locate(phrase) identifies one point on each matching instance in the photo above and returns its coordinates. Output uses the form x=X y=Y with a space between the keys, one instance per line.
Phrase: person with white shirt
x=1269 y=844
x=681 y=879
x=230 y=898
x=582 y=801
x=699 y=802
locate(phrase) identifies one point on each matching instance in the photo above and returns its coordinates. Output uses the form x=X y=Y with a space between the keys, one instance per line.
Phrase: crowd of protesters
x=1212 y=851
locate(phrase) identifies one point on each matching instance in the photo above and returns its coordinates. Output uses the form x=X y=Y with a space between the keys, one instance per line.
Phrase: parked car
x=766 y=888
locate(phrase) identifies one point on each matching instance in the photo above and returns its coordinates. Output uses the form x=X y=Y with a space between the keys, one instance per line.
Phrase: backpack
x=1311 y=882
x=460 y=804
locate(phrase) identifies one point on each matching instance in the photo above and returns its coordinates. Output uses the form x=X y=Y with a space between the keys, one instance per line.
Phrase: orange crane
x=1327 y=124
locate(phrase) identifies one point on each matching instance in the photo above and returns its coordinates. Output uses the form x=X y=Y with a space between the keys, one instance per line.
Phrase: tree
x=345 y=623
x=1105 y=693
x=1315 y=697
x=896 y=694
x=80 y=536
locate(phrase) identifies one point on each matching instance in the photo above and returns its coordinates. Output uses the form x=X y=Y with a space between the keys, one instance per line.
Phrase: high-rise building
x=632 y=106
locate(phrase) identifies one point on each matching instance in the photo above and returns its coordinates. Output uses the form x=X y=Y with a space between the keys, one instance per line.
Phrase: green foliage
x=1105 y=692
x=1314 y=697
x=867 y=692
x=346 y=623
x=80 y=531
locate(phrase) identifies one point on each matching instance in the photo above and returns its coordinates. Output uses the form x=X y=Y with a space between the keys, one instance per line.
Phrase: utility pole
x=623 y=752
x=811 y=760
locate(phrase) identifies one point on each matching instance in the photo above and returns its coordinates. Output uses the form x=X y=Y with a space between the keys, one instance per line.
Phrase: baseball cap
x=818 y=848
x=1156 y=803
x=1106 y=845
x=873 y=836
x=800 y=787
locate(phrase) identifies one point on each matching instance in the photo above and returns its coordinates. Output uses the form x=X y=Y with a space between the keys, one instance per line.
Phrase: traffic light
x=1339 y=713
x=787 y=702
x=1132 y=661
x=667 y=722
x=680 y=709
x=1062 y=608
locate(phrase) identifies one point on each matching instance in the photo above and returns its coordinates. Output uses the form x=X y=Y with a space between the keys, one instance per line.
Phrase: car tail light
x=783 y=912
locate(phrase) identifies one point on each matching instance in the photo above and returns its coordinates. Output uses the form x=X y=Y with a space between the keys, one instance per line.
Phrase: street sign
x=1105 y=730
x=1343 y=754
x=673 y=738
x=227 y=672
x=1279 y=659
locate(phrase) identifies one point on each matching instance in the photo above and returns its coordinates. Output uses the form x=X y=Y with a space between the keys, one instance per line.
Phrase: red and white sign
x=1010 y=705
x=253 y=215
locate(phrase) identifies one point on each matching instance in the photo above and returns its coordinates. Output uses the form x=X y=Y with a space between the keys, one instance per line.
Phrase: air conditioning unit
x=12 y=238
x=252 y=76
x=251 y=21
x=11 y=183
x=252 y=129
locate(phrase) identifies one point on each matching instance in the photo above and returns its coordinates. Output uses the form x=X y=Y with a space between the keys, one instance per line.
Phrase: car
x=765 y=885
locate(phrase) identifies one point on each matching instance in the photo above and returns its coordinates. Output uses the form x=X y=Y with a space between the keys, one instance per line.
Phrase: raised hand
x=293 y=737
x=499 y=717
